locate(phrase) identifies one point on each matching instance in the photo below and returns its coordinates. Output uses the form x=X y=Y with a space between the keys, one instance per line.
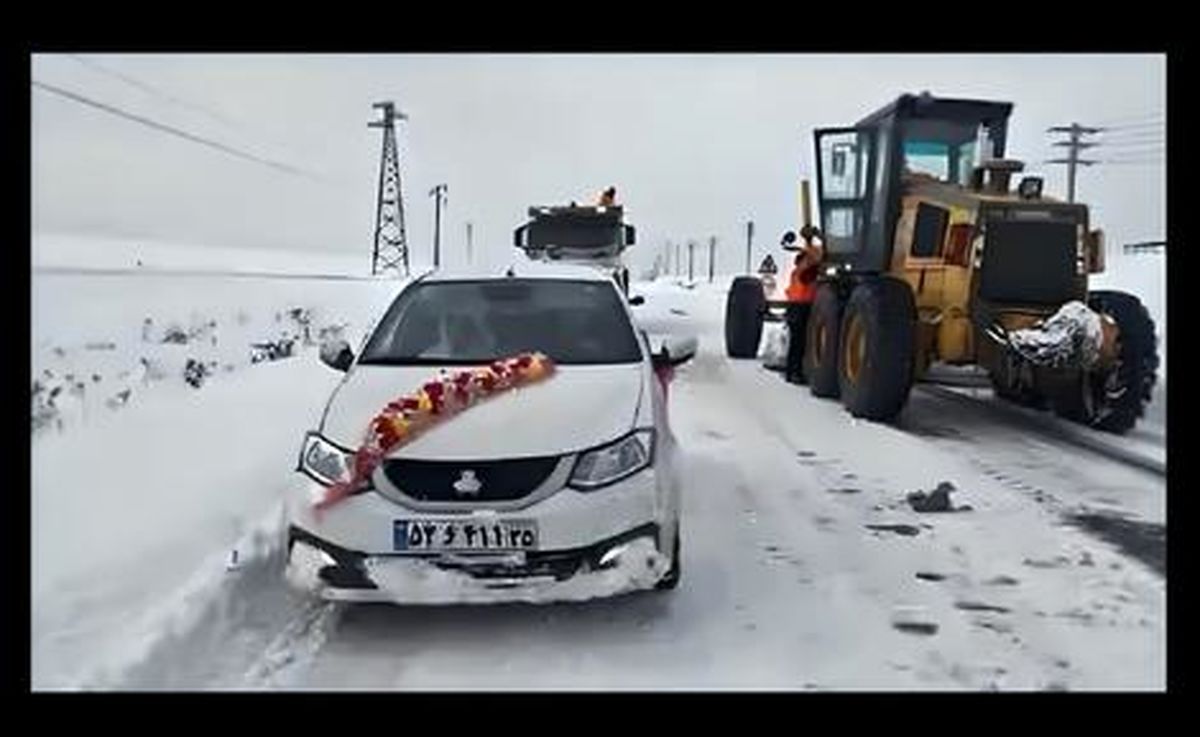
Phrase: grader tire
x=821 y=349
x=1116 y=400
x=744 y=310
x=876 y=349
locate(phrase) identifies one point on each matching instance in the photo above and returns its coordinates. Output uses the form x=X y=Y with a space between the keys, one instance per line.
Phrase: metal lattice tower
x=391 y=245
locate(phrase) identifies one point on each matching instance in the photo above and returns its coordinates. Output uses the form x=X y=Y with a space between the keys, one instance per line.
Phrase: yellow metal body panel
x=942 y=291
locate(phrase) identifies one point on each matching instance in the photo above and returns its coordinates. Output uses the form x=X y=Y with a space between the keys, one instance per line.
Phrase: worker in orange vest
x=608 y=197
x=800 y=293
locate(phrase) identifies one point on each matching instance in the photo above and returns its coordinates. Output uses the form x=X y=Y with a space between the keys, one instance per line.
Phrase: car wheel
x=671 y=579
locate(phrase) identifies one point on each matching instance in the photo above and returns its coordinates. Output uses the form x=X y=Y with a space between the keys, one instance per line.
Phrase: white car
x=564 y=489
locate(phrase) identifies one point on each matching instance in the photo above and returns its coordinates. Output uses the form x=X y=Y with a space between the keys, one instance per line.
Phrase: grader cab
x=931 y=254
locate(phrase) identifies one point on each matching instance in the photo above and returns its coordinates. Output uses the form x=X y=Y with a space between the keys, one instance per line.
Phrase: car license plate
x=437 y=535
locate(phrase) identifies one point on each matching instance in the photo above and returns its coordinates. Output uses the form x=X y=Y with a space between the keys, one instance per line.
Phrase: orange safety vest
x=802 y=286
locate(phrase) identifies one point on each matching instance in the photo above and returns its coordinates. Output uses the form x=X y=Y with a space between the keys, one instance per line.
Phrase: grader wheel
x=745 y=308
x=876 y=350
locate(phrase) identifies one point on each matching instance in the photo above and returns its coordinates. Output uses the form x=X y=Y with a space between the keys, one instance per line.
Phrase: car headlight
x=613 y=462
x=323 y=461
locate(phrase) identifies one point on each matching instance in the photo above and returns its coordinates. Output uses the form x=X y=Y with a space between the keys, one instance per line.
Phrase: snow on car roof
x=522 y=270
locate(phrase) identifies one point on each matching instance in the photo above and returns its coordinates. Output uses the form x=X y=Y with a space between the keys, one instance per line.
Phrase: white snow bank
x=66 y=250
x=135 y=512
x=103 y=342
x=127 y=510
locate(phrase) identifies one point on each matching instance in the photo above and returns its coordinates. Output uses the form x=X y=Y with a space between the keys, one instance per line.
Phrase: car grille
x=499 y=481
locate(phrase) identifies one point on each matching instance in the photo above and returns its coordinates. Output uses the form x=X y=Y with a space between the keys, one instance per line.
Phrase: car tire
x=744 y=310
x=671 y=579
x=876 y=349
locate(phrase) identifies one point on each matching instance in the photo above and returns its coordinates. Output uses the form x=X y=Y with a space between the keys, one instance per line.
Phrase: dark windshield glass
x=573 y=322
x=573 y=234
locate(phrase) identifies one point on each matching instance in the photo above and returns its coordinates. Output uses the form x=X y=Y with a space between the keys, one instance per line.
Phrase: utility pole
x=712 y=254
x=691 y=260
x=438 y=194
x=678 y=261
x=469 y=228
x=1074 y=144
x=749 y=241
x=390 y=253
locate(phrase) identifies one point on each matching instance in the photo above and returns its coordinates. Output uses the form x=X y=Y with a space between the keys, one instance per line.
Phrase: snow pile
x=134 y=517
x=410 y=581
x=1070 y=337
x=775 y=346
x=72 y=382
x=102 y=342
x=135 y=513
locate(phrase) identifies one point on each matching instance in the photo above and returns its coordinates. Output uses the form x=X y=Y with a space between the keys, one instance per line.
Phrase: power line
x=1134 y=119
x=1123 y=135
x=1140 y=151
x=155 y=91
x=1135 y=126
x=1134 y=142
x=1123 y=139
x=1134 y=147
x=1136 y=158
x=171 y=130
x=1133 y=162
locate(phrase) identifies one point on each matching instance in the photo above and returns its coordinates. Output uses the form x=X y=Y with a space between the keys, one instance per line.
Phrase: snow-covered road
x=804 y=566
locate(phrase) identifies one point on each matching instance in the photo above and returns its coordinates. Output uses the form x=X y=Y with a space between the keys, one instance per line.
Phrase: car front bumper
x=594 y=544
x=627 y=562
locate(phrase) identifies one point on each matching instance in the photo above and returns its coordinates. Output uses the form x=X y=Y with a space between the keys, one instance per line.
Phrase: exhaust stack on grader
x=931 y=254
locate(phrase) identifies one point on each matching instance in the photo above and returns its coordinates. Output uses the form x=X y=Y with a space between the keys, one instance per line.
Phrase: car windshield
x=573 y=322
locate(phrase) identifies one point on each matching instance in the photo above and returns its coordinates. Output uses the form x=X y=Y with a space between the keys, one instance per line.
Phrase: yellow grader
x=931 y=255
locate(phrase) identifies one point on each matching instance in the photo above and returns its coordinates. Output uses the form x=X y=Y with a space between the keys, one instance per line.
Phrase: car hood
x=575 y=408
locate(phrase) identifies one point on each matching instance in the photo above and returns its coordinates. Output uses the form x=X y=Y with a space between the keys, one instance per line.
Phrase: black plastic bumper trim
x=562 y=564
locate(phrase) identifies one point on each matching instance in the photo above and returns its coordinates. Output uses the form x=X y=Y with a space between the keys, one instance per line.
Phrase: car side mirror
x=337 y=355
x=519 y=237
x=637 y=299
x=630 y=235
x=675 y=351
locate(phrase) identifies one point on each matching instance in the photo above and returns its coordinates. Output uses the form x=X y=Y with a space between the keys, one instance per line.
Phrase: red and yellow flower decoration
x=405 y=418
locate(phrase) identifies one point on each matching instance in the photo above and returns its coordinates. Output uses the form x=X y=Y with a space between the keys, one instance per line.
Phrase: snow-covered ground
x=144 y=483
x=156 y=525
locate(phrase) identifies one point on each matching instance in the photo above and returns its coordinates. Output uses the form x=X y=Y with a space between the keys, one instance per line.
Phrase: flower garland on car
x=405 y=418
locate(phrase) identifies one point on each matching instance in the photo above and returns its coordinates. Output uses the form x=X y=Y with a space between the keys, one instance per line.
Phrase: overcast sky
x=695 y=144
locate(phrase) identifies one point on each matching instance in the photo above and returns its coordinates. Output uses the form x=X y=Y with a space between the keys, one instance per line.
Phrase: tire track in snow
x=229 y=626
x=977 y=645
